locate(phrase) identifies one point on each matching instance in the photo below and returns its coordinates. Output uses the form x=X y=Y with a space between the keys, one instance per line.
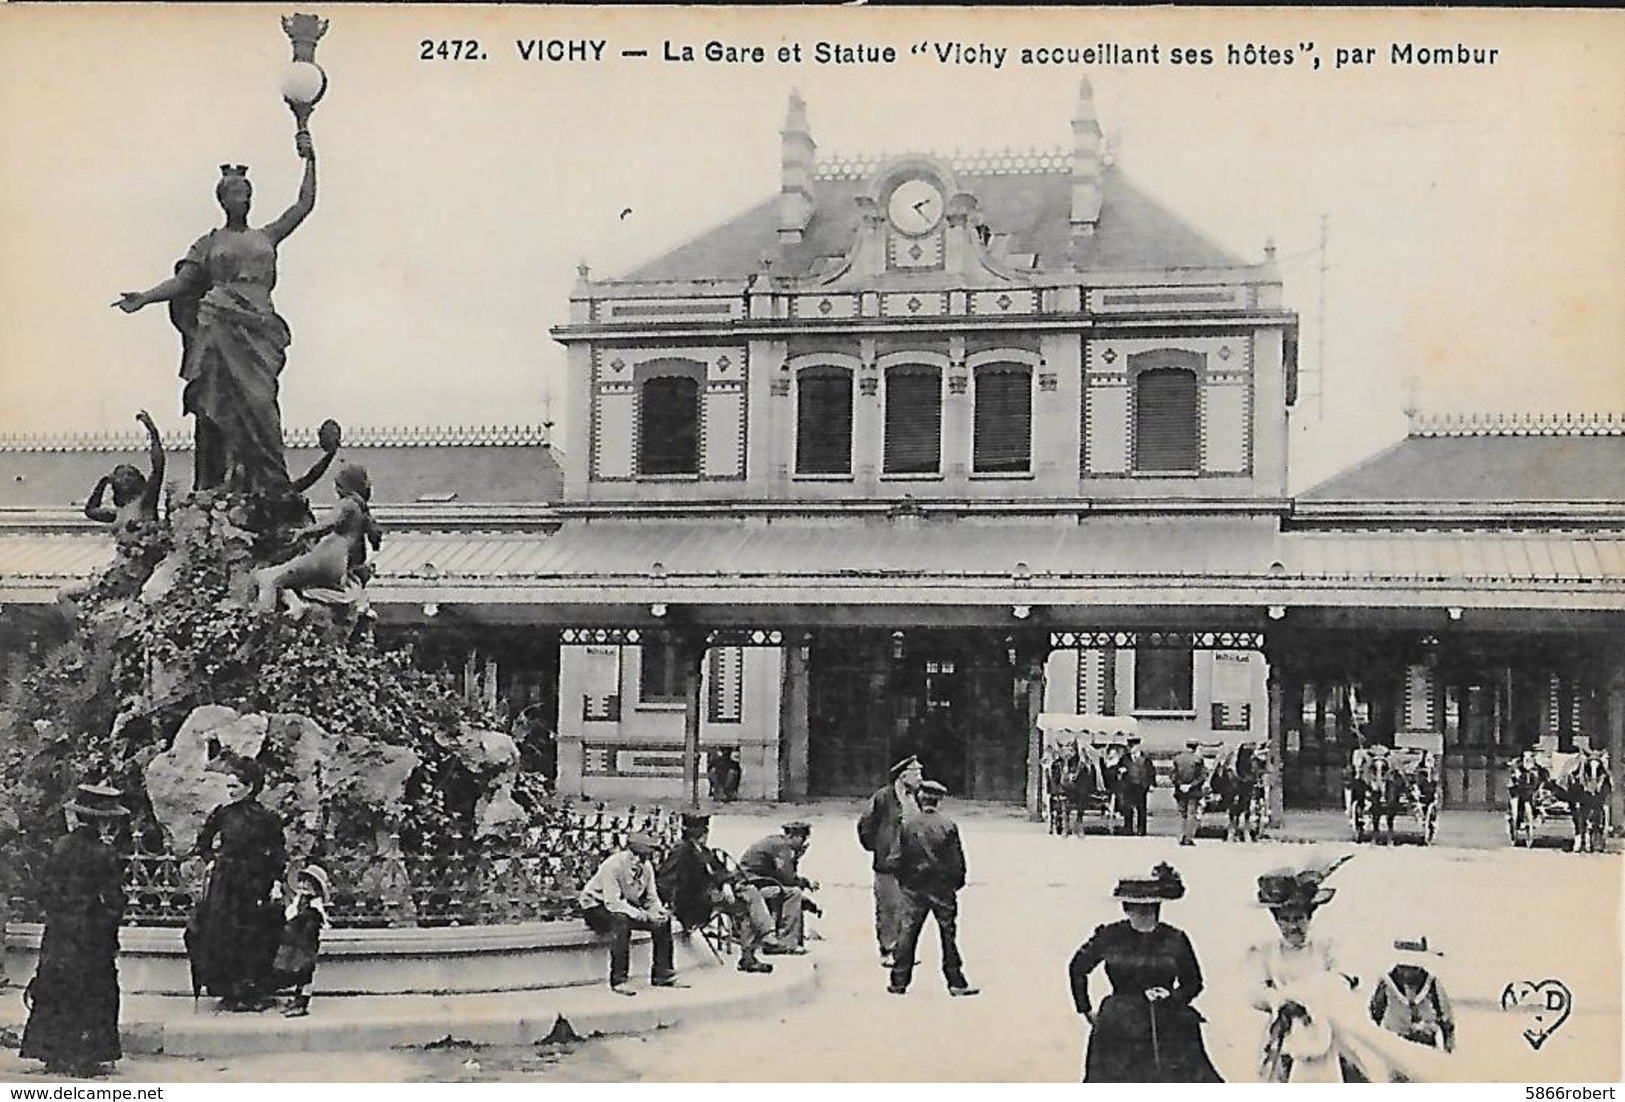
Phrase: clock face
x=915 y=207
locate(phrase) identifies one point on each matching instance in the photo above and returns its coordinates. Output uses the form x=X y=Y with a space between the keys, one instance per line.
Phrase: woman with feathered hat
x=73 y=998
x=1146 y=1030
x=1317 y=1031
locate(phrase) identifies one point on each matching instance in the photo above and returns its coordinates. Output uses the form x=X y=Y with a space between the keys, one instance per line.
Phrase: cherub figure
x=338 y=561
x=135 y=495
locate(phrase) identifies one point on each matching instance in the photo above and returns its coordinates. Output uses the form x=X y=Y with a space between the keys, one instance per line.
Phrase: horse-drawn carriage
x=1236 y=788
x=1552 y=787
x=1386 y=783
x=1081 y=753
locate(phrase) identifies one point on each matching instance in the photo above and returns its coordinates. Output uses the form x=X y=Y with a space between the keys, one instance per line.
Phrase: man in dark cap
x=1135 y=776
x=930 y=870
x=1190 y=773
x=697 y=883
x=773 y=867
x=621 y=897
x=878 y=831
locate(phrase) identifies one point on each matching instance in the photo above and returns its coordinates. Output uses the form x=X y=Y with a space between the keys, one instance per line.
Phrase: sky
x=1474 y=215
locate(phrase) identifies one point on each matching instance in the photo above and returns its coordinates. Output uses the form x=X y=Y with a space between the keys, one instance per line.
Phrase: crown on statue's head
x=233 y=170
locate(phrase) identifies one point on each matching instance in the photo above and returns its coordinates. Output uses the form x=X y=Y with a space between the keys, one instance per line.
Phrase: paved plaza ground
x=1501 y=915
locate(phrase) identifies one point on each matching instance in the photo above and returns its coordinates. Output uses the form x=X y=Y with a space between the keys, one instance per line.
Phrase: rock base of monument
x=449 y=961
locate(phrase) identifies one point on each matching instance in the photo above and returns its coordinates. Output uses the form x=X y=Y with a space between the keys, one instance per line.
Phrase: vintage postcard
x=553 y=543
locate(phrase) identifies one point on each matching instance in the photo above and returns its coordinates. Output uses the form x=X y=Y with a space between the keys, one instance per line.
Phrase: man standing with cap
x=1189 y=774
x=1135 y=777
x=620 y=898
x=878 y=830
x=930 y=871
x=696 y=883
x=773 y=867
x=73 y=999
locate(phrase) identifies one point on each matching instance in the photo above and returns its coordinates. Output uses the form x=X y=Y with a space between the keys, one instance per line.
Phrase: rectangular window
x=1003 y=431
x=660 y=674
x=1166 y=433
x=1162 y=679
x=669 y=426
x=913 y=421
x=824 y=422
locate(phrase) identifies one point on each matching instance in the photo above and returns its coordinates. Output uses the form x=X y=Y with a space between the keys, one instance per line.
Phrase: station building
x=919 y=448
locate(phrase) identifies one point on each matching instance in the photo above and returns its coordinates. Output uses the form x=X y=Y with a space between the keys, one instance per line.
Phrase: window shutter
x=1165 y=425
x=1004 y=420
x=824 y=421
x=913 y=421
x=669 y=426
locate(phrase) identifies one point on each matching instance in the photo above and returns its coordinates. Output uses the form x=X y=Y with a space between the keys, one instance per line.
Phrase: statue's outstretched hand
x=130 y=302
x=304 y=146
x=146 y=419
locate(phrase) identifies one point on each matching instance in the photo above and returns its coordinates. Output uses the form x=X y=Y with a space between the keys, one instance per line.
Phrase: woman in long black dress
x=232 y=939
x=74 y=996
x=1145 y=1031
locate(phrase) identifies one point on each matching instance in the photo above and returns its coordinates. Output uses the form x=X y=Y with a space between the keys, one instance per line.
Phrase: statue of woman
x=233 y=343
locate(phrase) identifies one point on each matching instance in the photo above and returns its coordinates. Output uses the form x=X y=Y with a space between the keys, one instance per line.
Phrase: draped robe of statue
x=233 y=348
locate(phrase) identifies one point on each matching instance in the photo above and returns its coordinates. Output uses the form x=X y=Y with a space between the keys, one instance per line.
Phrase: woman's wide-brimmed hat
x=1289 y=889
x=1161 y=886
x=97 y=801
x=318 y=876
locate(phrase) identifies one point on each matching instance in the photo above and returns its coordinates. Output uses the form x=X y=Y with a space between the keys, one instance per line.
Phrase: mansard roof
x=1491 y=458
x=1025 y=198
x=486 y=464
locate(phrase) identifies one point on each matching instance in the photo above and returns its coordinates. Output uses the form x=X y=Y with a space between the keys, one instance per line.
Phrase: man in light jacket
x=621 y=897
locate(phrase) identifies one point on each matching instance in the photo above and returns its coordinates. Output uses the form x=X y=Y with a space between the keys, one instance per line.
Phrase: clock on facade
x=916 y=207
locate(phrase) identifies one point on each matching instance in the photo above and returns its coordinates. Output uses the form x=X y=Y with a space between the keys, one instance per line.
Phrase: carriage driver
x=1526 y=778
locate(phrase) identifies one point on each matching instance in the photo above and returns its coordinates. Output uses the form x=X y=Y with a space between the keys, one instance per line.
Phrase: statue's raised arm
x=306 y=202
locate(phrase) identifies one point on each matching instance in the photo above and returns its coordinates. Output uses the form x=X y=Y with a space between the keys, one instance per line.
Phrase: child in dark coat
x=295 y=965
x=1410 y=1001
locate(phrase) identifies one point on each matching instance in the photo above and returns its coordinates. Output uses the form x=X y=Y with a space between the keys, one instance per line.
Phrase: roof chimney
x=800 y=153
x=1086 y=163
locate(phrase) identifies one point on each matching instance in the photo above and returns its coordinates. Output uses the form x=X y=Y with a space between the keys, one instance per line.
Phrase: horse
x=1238 y=781
x=1378 y=795
x=1588 y=794
x=1061 y=778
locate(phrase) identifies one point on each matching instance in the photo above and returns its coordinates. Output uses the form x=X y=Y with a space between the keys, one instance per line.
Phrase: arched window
x=669 y=424
x=1167 y=434
x=824 y=421
x=913 y=420
x=1003 y=430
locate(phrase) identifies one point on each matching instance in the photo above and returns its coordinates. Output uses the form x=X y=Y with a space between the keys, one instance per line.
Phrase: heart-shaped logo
x=1547 y=1004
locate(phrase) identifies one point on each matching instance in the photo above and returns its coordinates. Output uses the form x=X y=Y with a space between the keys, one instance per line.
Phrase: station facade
x=919 y=448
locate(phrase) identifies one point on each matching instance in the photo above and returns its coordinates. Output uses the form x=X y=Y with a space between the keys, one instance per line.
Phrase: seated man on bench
x=697 y=883
x=773 y=866
x=620 y=898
